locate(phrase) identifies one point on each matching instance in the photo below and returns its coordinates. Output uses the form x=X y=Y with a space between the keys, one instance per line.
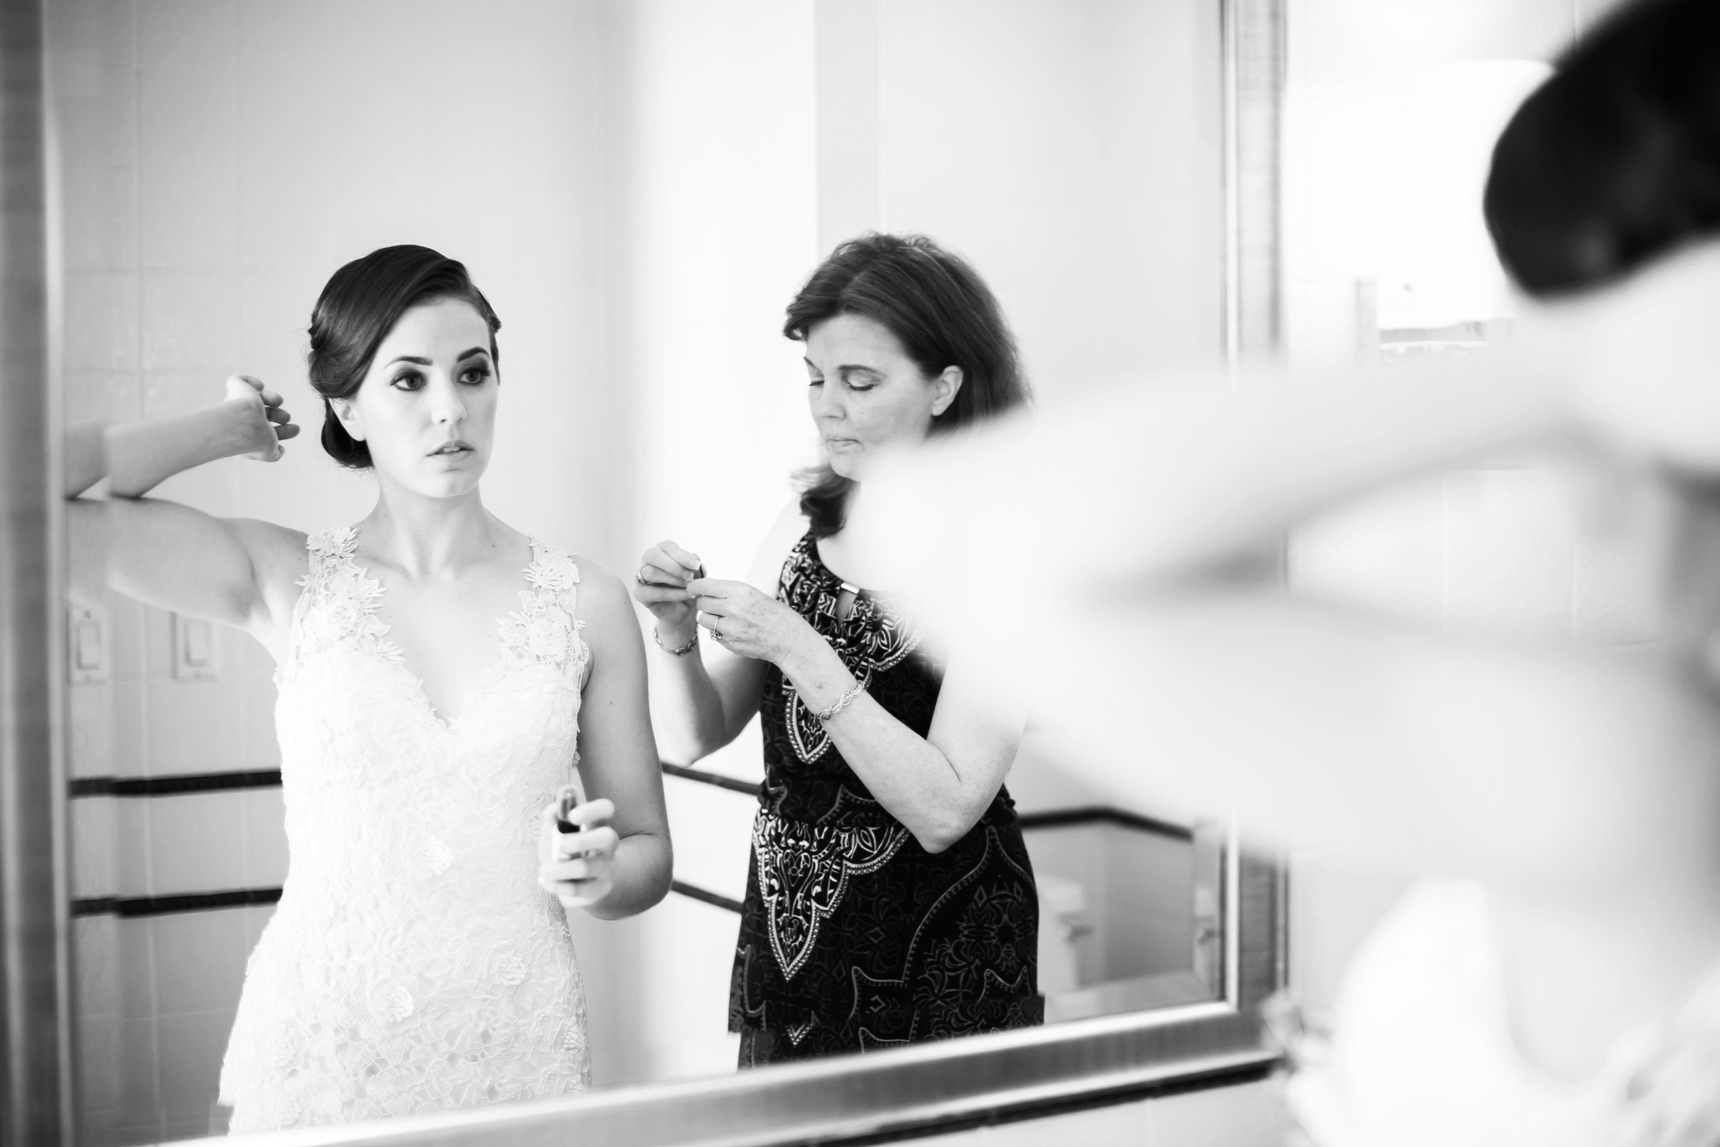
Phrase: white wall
x=714 y=232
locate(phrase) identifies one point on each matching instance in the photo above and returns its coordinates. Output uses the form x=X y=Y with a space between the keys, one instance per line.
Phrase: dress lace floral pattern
x=413 y=963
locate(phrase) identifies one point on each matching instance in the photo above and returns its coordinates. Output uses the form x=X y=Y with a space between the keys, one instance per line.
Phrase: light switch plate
x=87 y=654
x=196 y=649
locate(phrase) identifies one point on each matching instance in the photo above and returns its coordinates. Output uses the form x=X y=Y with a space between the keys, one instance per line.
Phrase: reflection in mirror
x=639 y=189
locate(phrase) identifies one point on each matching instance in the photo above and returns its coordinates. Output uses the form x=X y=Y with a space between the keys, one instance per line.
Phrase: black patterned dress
x=853 y=937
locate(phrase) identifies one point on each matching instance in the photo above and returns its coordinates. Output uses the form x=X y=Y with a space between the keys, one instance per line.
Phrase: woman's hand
x=261 y=422
x=578 y=867
x=660 y=585
x=746 y=621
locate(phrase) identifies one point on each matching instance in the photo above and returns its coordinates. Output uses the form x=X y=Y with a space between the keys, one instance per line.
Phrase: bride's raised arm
x=1169 y=684
x=232 y=570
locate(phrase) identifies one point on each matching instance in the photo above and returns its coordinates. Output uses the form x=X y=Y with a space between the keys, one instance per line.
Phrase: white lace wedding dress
x=413 y=964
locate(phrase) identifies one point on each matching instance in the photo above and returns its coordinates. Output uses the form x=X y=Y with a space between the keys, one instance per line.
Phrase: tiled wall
x=206 y=197
x=1139 y=890
x=154 y=994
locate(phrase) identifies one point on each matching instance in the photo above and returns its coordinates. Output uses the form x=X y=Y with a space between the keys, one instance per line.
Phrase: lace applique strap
x=545 y=630
x=338 y=602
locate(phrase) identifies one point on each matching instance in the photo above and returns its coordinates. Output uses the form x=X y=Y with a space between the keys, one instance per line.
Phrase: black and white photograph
x=747 y=573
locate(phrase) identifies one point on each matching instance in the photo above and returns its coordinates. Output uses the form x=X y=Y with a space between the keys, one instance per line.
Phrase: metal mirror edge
x=35 y=1099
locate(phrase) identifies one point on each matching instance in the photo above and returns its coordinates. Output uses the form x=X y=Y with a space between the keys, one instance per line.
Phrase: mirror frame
x=929 y=1088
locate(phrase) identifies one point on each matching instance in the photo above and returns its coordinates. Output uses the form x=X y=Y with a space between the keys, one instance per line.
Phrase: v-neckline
x=393 y=655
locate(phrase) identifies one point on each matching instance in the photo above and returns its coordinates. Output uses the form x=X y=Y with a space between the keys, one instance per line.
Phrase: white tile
x=191 y=1048
x=257 y=917
x=132 y=875
x=130 y=728
x=97 y=1066
x=194 y=726
x=95 y=966
x=199 y=960
x=294 y=491
x=189 y=321
x=158 y=641
x=166 y=393
x=94 y=826
x=197 y=842
x=250 y=656
x=101 y=320
x=1149 y=873
x=125 y=635
x=274 y=321
x=102 y=395
x=187 y=83
x=262 y=750
x=212 y=488
x=265 y=839
x=100 y=217
x=90 y=746
x=93 y=83
x=136 y=946
x=188 y=217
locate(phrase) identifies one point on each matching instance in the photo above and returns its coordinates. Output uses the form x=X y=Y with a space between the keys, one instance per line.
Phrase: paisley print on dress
x=803 y=871
x=852 y=935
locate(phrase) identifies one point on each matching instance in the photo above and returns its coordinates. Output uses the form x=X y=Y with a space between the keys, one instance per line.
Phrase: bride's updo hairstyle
x=1615 y=160
x=359 y=306
x=941 y=312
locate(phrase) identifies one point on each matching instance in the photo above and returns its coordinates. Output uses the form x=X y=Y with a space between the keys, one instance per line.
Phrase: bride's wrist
x=676 y=638
x=232 y=428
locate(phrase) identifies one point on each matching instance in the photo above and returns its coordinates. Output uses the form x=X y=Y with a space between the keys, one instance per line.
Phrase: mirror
x=639 y=189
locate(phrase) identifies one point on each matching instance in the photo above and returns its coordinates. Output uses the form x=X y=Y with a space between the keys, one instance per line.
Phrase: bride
x=435 y=667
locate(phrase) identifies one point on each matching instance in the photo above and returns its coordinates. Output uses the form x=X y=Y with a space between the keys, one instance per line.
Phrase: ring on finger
x=639 y=576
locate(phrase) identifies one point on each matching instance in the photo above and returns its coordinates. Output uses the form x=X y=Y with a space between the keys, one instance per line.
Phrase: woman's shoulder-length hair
x=942 y=313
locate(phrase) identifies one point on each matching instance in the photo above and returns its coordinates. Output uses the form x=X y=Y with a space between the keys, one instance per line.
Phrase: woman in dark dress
x=890 y=897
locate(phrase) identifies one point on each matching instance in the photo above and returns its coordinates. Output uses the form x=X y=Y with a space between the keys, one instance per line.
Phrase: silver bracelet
x=692 y=643
x=842 y=702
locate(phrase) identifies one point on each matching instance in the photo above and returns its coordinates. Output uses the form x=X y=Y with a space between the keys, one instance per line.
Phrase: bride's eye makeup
x=476 y=374
x=407 y=380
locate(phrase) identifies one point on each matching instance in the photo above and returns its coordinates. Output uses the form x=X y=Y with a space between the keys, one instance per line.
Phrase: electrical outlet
x=87 y=644
x=196 y=649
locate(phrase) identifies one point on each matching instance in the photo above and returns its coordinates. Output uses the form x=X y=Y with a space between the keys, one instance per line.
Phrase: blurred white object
x=1422 y=1053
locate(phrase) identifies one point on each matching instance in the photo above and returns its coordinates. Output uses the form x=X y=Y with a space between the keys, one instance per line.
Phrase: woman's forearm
x=915 y=782
x=642 y=871
x=135 y=457
x=687 y=708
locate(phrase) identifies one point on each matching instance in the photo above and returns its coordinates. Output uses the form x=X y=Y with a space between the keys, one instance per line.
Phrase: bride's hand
x=262 y=420
x=577 y=867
